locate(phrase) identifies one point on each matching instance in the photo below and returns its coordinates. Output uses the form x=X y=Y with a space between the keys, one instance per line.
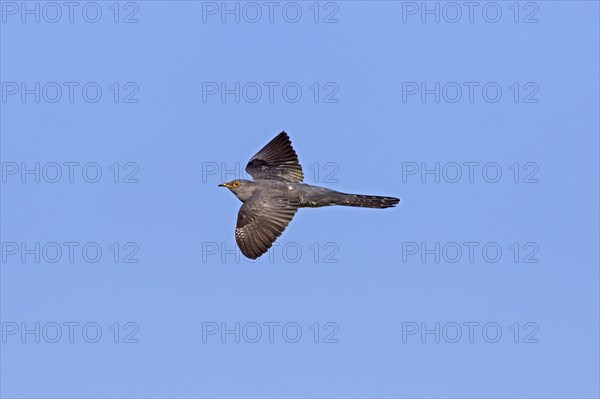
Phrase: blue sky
x=119 y=274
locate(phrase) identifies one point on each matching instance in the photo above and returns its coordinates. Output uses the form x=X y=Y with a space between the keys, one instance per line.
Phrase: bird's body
x=308 y=196
x=271 y=200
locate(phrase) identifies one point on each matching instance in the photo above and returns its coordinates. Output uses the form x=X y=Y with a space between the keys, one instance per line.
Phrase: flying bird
x=271 y=200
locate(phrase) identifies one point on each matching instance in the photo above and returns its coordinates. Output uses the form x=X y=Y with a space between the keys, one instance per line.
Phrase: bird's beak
x=223 y=185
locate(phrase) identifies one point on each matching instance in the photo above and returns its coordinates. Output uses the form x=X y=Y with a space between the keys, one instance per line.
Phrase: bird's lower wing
x=260 y=221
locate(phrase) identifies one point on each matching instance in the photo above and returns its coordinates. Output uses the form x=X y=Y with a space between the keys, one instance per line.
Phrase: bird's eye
x=236 y=184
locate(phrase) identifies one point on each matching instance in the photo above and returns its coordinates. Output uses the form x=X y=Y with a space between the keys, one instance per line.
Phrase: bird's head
x=242 y=189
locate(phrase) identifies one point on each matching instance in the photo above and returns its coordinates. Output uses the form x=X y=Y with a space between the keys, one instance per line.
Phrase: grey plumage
x=271 y=200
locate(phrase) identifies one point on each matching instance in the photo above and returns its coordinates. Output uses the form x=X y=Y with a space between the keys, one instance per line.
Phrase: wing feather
x=276 y=161
x=260 y=221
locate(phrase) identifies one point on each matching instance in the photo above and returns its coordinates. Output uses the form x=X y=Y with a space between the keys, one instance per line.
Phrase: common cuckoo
x=271 y=200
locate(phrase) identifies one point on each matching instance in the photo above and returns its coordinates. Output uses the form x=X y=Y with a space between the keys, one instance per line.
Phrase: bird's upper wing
x=260 y=221
x=276 y=161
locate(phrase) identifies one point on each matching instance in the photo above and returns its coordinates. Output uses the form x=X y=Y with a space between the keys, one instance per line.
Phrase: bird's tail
x=366 y=201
